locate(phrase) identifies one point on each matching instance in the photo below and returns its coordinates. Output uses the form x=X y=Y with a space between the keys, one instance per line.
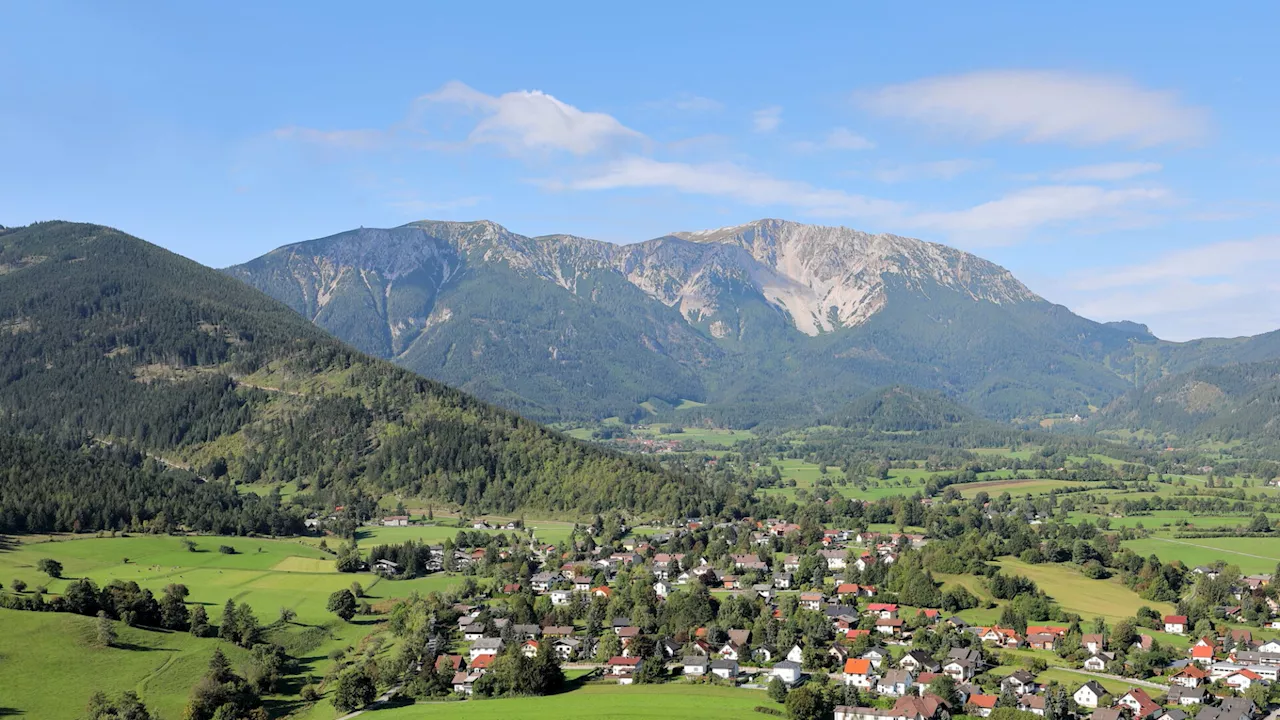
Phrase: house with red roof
x=1175 y=624
x=1190 y=676
x=1139 y=703
x=858 y=673
x=981 y=704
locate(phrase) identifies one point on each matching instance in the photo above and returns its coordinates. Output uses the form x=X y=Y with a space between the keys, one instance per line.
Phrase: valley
x=221 y=506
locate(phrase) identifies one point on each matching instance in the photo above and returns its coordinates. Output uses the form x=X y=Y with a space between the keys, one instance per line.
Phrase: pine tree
x=227 y=628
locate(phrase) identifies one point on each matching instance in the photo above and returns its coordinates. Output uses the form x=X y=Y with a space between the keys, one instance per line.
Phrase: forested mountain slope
x=1230 y=404
x=106 y=335
x=767 y=321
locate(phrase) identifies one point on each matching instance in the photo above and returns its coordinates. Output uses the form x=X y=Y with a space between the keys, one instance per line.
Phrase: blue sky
x=1120 y=158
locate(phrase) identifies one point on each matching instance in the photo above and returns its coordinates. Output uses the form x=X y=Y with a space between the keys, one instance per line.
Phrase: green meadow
x=163 y=666
x=547 y=531
x=1016 y=487
x=1251 y=554
x=1083 y=596
x=673 y=701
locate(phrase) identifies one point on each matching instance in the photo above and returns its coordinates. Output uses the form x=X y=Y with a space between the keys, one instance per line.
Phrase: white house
x=834 y=558
x=1241 y=680
x=1175 y=624
x=895 y=683
x=1096 y=663
x=561 y=597
x=787 y=671
x=876 y=656
x=727 y=669
x=695 y=665
x=486 y=646
x=795 y=654
x=1089 y=694
x=858 y=673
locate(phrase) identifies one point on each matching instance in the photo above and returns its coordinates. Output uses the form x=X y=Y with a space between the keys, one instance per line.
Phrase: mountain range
x=111 y=341
x=771 y=321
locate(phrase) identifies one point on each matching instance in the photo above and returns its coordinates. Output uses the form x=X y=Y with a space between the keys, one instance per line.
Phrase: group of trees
x=222 y=693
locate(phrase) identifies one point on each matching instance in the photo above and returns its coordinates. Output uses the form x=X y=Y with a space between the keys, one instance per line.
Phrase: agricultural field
x=549 y=531
x=1016 y=487
x=1171 y=520
x=1251 y=554
x=163 y=666
x=710 y=436
x=1083 y=596
x=673 y=701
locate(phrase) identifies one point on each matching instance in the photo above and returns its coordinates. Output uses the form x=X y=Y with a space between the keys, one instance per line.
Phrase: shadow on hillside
x=139 y=648
x=280 y=707
x=10 y=712
x=576 y=683
x=397 y=701
x=7 y=544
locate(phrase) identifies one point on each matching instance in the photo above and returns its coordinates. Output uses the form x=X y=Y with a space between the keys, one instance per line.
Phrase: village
x=807 y=616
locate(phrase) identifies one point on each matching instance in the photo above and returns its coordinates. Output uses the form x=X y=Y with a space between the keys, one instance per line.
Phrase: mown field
x=1251 y=554
x=37 y=648
x=1084 y=596
x=675 y=701
x=548 y=531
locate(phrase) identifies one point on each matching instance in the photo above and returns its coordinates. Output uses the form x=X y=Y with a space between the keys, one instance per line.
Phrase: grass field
x=1168 y=520
x=1073 y=680
x=674 y=701
x=710 y=436
x=1016 y=488
x=163 y=666
x=1253 y=555
x=1081 y=595
x=50 y=664
x=549 y=531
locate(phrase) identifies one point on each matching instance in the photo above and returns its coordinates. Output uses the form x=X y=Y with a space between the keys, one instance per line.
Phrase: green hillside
x=112 y=338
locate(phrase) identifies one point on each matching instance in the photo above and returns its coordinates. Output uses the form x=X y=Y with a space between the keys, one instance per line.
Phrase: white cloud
x=846 y=139
x=934 y=170
x=767 y=119
x=337 y=139
x=1106 y=172
x=1221 y=289
x=1000 y=220
x=1207 y=261
x=520 y=121
x=533 y=120
x=734 y=182
x=1043 y=106
x=838 y=139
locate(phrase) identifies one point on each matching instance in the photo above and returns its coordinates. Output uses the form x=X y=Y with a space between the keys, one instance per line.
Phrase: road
x=383 y=698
